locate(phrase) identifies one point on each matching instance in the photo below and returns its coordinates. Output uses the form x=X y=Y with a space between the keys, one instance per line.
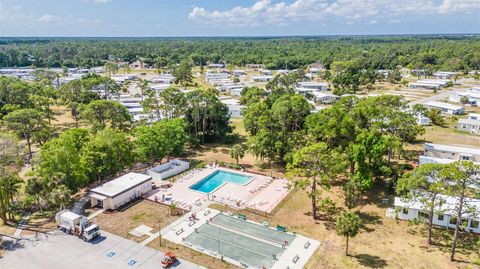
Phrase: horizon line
x=248 y=36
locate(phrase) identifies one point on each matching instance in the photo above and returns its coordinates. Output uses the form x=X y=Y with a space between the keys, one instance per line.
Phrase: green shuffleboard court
x=244 y=249
x=253 y=229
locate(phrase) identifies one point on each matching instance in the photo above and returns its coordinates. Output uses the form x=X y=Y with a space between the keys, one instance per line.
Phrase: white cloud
x=263 y=11
x=49 y=18
x=460 y=6
x=284 y=12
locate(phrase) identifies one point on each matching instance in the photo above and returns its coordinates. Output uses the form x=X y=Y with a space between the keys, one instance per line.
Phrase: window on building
x=440 y=217
x=474 y=224
x=464 y=126
x=422 y=215
x=405 y=211
x=453 y=220
x=465 y=158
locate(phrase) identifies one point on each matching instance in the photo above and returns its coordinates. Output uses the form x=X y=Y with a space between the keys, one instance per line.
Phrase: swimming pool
x=217 y=179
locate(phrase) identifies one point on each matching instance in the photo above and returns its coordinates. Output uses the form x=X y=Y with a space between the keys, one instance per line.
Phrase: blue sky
x=236 y=18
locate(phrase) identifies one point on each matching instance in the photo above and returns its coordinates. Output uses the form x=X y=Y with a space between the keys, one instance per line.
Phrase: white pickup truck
x=72 y=223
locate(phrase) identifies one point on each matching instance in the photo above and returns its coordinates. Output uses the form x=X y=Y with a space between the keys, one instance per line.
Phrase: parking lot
x=58 y=251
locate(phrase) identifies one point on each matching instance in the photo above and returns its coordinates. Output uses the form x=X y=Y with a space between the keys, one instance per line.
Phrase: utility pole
x=160 y=232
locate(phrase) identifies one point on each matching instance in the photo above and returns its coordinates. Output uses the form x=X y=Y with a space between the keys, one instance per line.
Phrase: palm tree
x=143 y=85
x=9 y=186
x=60 y=196
x=126 y=68
x=173 y=208
x=237 y=152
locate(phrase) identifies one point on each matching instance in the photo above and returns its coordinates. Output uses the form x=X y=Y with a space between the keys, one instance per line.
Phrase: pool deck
x=262 y=193
x=295 y=256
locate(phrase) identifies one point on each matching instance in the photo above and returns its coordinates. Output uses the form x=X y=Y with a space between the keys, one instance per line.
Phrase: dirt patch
x=144 y=212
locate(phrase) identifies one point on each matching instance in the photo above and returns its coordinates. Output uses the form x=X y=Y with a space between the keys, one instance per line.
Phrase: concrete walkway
x=96 y=213
x=21 y=226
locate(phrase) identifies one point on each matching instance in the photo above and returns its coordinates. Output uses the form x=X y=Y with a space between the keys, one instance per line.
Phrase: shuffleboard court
x=253 y=229
x=235 y=246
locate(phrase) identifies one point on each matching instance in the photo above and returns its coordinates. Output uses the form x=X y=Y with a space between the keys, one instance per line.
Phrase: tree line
x=455 y=53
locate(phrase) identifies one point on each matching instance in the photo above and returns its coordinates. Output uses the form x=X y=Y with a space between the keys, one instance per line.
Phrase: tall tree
x=26 y=123
x=76 y=93
x=143 y=86
x=183 y=73
x=106 y=154
x=462 y=176
x=107 y=113
x=348 y=225
x=161 y=139
x=351 y=192
x=316 y=165
x=173 y=103
x=59 y=160
x=111 y=68
x=206 y=116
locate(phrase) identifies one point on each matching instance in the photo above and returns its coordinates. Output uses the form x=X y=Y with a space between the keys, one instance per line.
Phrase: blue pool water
x=217 y=178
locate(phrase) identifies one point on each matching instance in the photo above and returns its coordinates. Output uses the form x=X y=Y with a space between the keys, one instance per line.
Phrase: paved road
x=442 y=95
x=59 y=251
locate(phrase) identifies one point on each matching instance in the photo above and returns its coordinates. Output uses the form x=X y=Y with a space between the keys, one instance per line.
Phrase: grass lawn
x=449 y=136
x=144 y=212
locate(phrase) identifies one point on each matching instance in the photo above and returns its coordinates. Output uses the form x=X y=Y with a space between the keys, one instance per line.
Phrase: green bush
x=200 y=165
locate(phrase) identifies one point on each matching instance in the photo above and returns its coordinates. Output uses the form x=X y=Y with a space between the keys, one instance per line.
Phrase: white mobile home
x=266 y=72
x=215 y=66
x=325 y=97
x=422 y=120
x=239 y=72
x=446 y=107
x=283 y=72
x=444 y=216
x=429 y=84
x=120 y=191
x=319 y=86
x=470 y=124
x=444 y=75
x=235 y=109
x=472 y=96
x=262 y=78
x=455 y=153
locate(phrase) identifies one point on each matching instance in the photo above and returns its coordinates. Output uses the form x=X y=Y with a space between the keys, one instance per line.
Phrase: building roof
x=448 y=207
x=470 y=94
x=121 y=184
x=313 y=84
x=469 y=121
x=429 y=159
x=324 y=94
x=443 y=105
x=449 y=148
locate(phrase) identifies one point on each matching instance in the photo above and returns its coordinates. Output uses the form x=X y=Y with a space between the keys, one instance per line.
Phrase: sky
x=160 y=18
